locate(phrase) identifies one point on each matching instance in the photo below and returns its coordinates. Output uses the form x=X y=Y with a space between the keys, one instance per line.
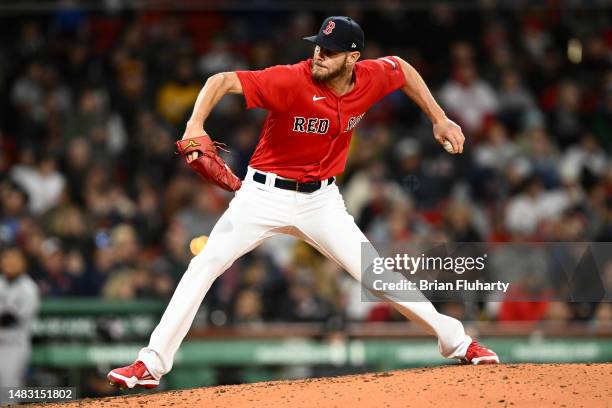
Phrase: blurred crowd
x=94 y=198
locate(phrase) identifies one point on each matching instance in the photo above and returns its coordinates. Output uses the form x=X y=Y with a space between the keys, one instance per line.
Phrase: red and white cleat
x=477 y=354
x=131 y=376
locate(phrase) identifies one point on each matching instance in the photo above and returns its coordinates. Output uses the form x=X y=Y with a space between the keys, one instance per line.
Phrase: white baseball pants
x=260 y=211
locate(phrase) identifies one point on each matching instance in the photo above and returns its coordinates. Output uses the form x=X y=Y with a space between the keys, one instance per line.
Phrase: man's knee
x=210 y=263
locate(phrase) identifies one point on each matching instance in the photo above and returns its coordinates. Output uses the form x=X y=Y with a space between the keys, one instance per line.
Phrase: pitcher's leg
x=238 y=231
x=333 y=231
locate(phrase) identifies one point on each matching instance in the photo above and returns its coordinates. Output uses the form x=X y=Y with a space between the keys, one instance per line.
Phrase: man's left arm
x=443 y=128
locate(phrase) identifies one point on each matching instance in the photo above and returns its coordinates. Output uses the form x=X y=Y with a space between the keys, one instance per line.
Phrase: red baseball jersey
x=308 y=128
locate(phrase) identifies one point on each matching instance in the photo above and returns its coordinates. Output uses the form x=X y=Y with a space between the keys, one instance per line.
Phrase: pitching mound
x=517 y=385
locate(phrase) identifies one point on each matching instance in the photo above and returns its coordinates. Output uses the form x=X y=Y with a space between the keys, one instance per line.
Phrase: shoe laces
x=478 y=347
x=138 y=364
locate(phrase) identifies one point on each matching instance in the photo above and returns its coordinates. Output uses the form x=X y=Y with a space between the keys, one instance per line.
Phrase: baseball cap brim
x=321 y=42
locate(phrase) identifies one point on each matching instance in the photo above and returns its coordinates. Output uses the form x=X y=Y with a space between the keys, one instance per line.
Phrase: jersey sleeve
x=387 y=74
x=271 y=88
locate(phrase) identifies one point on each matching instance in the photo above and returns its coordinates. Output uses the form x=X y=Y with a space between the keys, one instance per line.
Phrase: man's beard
x=329 y=75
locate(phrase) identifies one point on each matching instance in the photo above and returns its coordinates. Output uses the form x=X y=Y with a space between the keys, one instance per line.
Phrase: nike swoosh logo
x=317 y=98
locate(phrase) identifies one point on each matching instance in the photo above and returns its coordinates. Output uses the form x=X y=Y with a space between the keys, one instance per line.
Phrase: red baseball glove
x=209 y=165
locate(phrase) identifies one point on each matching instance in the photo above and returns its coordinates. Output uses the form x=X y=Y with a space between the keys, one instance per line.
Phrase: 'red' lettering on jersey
x=308 y=129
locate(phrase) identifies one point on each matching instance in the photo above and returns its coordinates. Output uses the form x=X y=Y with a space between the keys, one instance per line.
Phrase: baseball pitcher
x=313 y=107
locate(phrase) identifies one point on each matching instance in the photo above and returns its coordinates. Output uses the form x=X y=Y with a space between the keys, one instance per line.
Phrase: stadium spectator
x=515 y=101
x=13 y=206
x=52 y=276
x=177 y=96
x=533 y=206
x=468 y=98
x=42 y=182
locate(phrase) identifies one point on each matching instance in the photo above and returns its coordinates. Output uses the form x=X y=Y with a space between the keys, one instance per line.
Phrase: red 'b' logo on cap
x=329 y=28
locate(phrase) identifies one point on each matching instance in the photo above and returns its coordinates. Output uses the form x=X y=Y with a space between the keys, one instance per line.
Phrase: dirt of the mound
x=505 y=385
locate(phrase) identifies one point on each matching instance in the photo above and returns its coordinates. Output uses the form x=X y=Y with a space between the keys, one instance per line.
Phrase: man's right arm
x=214 y=89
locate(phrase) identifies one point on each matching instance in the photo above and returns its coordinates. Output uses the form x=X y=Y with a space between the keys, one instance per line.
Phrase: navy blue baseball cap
x=339 y=33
